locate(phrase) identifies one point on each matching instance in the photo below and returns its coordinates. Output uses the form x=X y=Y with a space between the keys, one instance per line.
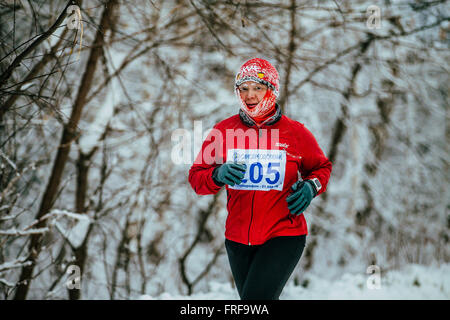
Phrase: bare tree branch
x=7 y=73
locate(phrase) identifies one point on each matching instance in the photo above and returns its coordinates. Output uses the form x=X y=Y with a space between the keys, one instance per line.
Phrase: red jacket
x=258 y=211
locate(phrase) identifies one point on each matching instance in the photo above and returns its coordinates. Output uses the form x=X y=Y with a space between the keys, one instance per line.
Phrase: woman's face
x=252 y=93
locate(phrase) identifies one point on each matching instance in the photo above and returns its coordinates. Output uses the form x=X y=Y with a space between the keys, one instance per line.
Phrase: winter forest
x=94 y=195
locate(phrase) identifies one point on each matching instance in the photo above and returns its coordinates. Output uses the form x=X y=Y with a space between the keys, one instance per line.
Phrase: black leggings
x=261 y=271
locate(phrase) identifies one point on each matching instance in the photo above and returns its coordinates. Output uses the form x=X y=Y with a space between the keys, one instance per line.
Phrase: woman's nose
x=251 y=93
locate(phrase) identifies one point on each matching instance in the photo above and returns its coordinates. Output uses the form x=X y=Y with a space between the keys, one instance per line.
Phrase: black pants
x=261 y=271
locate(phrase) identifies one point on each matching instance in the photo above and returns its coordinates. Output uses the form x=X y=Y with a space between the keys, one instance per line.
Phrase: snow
x=414 y=282
x=77 y=234
x=15 y=232
x=76 y=216
x=8 y=160
x=17 y=263
x=7 y=283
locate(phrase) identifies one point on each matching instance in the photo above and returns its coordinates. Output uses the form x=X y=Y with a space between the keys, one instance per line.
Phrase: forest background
x=91 y=93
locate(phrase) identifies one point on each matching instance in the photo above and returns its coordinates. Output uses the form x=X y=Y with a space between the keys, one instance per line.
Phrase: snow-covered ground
x=412 y=282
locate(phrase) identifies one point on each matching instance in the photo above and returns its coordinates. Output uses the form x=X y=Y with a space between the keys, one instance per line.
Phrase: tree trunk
x=289 y=63
x=80 y=201
x=68 y=136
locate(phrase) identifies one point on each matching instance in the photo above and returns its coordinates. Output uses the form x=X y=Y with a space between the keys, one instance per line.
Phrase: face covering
x=263 y=109
x=260 y=71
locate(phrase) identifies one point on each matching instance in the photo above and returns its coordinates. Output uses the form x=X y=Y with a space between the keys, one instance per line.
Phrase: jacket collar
x=247 y=120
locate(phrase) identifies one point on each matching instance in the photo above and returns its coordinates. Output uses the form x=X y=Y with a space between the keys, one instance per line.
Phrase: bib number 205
x=265 y=168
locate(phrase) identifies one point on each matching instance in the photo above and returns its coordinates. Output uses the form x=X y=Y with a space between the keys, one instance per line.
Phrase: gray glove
x=302 y=194
x=229 y=173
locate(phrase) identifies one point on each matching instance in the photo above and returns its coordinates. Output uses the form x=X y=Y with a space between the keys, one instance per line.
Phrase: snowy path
x=412 y=282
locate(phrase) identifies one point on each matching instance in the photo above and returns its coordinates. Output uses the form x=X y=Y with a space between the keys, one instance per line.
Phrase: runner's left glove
x=301 y=197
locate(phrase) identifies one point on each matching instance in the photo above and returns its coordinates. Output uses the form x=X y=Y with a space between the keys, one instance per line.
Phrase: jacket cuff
x=313 y=187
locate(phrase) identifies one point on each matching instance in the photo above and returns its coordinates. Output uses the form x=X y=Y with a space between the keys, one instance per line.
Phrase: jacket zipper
x=253 y=198
x=251 y=218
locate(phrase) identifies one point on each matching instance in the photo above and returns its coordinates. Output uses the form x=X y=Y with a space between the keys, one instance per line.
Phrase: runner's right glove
x=229 y=173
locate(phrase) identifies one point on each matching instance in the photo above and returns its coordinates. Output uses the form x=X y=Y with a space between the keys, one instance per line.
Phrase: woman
x=272 y=168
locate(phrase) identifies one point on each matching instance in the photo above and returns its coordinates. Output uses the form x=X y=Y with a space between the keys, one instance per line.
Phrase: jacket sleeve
x=209 y=158
x=314 y=163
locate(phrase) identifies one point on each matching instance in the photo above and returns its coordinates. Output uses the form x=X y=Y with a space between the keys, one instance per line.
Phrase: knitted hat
x=260 y=71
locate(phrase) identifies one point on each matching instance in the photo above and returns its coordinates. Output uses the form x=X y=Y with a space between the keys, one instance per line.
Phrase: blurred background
x=92 y=91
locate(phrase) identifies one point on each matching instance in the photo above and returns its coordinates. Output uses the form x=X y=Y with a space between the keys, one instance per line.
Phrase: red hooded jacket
x=275 y=154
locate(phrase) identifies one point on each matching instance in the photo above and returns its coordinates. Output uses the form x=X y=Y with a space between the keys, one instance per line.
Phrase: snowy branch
x=56 y=213
x=18 y=263
x=53 y=214
x=8 y=160
x=7 y=283
x=59 y=213
x=15 y=232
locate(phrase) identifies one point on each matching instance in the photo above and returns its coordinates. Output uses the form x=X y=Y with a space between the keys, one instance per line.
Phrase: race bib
x=265 y=168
